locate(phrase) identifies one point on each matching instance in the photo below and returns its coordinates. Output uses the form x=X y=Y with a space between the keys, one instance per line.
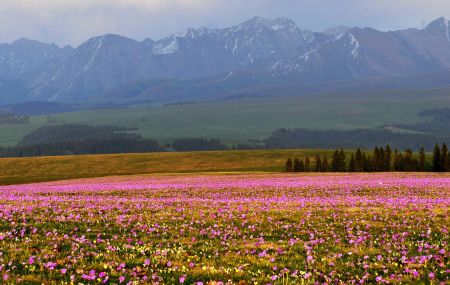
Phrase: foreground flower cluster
x=239 y=229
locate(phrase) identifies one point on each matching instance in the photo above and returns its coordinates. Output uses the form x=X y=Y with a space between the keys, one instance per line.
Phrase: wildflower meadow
x=228 y=229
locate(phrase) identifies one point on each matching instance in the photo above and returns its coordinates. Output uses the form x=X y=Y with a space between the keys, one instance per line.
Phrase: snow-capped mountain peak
x=440 y=24
x=277 y=46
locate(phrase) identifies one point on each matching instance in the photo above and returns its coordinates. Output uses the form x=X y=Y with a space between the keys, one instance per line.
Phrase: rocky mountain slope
x=278 y=49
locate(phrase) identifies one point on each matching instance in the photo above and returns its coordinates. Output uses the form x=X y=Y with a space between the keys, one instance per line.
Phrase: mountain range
x=259 y=57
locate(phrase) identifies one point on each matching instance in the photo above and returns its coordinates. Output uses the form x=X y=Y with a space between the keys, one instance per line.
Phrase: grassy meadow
x=238 y=121
x=38 y=169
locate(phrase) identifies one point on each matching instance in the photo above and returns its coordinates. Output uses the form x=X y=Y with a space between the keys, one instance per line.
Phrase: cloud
x=73 y=21
x=68 y=21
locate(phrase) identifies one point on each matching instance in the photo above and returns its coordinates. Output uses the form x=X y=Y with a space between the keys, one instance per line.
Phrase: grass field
x=239 y=121
x=35 y=169
x=237 y=229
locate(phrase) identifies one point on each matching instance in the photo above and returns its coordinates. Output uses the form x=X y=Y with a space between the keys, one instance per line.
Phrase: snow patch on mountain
x=98 y=46
x=306 y=55
x=277 y=27
x=308 y=36
x=356 y=45
x=236 y=41
x=165 y=49
x=446 y=24
x=250 y=57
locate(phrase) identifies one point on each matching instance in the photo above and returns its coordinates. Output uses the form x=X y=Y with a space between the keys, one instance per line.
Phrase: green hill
x=238 y=121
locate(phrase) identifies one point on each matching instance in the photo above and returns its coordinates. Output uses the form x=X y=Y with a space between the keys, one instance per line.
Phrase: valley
x=241 y=120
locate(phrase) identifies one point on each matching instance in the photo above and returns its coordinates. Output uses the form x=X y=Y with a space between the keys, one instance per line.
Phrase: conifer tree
x=369 y=164
x=381 y=160
x=301 y=166
x=387 y=159
x=358 y=161
x=325 y=165
x=289 y=165
x=318 y=167
x=448 y=159
x=376 y=159
x=335 y=161
x=398 y=162
x=341 y=161
x=444 y=158
x=422 y=159
x=408 y=161
x=365 y=163
x=352 y=164
x=437 y=158
x=307 y=164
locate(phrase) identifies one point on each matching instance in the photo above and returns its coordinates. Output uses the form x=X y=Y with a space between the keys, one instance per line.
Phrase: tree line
x=71 y=139
x=13 y=119
x=80 y=139
x=380 y=160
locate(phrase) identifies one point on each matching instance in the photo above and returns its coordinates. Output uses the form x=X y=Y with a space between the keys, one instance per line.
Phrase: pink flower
x=63 y=271
x=147 y=262
x=431 y=275
x=121 y=279
x=182 y=279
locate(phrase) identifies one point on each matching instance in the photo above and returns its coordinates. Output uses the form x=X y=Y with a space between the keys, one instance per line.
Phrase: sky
x=74 y=21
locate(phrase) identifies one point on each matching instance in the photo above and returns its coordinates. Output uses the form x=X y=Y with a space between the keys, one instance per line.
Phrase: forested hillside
x=80 y=139
x=364 y=138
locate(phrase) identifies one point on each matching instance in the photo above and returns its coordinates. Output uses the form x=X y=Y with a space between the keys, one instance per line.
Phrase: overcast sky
x=74 y=21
